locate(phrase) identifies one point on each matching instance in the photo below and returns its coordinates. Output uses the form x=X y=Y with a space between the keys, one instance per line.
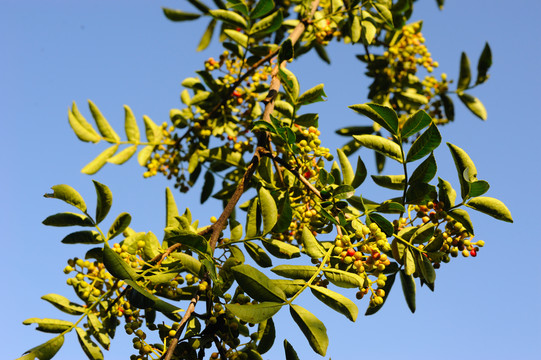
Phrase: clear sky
x=126 y=52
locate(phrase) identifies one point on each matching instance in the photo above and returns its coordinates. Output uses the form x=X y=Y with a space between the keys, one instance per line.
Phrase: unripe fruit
x=465 y=253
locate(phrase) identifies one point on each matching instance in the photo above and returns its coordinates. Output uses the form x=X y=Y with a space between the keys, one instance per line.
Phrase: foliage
x=246 y=121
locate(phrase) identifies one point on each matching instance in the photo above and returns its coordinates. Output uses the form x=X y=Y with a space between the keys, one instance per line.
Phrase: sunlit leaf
x=269 y=210
x=374 y=308
x=255 y=313
x=465 y=167
x=474 y=104
x=258 y=254
x=229 y=17
x=425 y=171
x=45 y=351
x=95 y=165
x=311 y=245
x=492 y=207
x=415 y=123
x=104 y=127
x=313 y=329
x=130 y=125
x=336 y=301
x=54 y=326
x=63 y=304
x=68 y=219
x=381 y=145
x=424 y=144
x=256 y=284
x=268 y=24
x=382 y=115
x=119 y=225
x=207 y=36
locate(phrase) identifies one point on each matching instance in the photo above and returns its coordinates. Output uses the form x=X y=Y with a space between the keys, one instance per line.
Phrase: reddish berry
x=351 y=252
x=473 y=253
x=307 y=174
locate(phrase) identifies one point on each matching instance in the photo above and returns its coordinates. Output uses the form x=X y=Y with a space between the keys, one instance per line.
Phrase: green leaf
x=116 y=266
x=492 y=207
x=229 y=17
x=152 y=131
x=394 y=182
x=311 y=245
x=408 y=287
x=435 y=245
x=465 y=168
x=384 y=224
x=355 y=130
x=289 y=82
x=208 y=186
x=105 y=200
x=119 y=225
x=478 y=188
x=446 y=193
x=262 y=8
x=372 y=309
x=54 y=326
x=464 y=77
x=485 y=62
x=268 y=334
x=384 y=12
x=98 y=330
x=308 y=120
x=95 y=165
x=188 y=238
x=368 y=31
x=343 y=192
x=343 y=278
x=382 y=115
x=448 y=106
x=130 y=126
x=425 y=171
x=281 y=249
x=68 y=219
x=252 y=217
x=295 y=271
x=420 y=193
x=312 y=328
x=83 y=237
x=381 y=145
x=63 y=304
x=425 y=144
x=290 y=287
x=268 y=24
x=427 y=270
x=409 y=262
x=179 y=15
x=83 y=133
x=336 y=301
x=415 y=123
x=345 y=165
x=423 y=234
x=360 y=173
x=144 y=155
x=237 y=37
x=291 y=354
x=256 y=284
x=255 y=313
x=269 y=211
x=286 y=51
x=90 y=348
x=94 y=136
x=156 y=303
x=123 y=156
x=474 y=104
x=312 y=95
x=45 y=351
x=171 y=210
x=69 y=195
x=104 y=127
x=355 y=29
x=284 y=216
x=258 y=254
x=463 y=217
x=207 y=36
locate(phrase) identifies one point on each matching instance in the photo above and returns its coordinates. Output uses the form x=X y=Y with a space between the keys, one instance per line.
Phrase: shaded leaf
x=179 y=15
x=286 y=51
x=448 y=106
x=262 y=8
x=425 y=171
x=268 y=24
x=374 y=308
x=478 y=188
x=281 y=249
x=68 y=219
x=492 y=207
x=464 y=77
x=446 y=193
x=267 y=336
x=291 y=354
x=384 y=224
x=313 y=329
x=312 y=95
x=408 y=288
x=423 y=234
x=382 y=115
x=415 y=123
x=83 y=237
x=90 y=348
x=116 y=266
x=425 y=144
x=427 y=270
x=360 y=173
x=104 y=202
x=485 y=62
x=258 y=254
x=119 y=225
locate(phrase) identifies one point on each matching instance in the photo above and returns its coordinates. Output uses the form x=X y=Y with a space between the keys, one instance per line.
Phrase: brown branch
x=217 y=227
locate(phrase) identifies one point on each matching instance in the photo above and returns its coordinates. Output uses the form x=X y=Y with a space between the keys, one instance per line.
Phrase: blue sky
x=126 y=52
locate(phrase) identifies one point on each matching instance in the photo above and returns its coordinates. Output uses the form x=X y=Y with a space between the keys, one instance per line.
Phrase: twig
x=174 y=342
